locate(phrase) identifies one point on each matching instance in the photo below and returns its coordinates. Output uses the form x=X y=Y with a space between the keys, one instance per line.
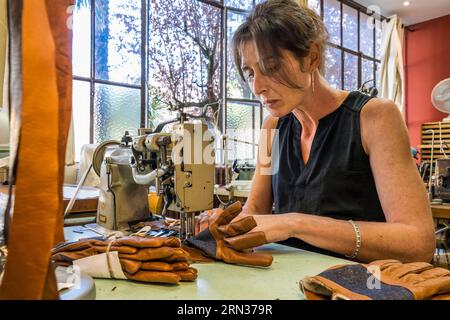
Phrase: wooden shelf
x=441 y=146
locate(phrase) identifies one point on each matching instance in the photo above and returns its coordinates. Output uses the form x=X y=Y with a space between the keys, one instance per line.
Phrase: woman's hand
x=275 y=227
x=270 y=228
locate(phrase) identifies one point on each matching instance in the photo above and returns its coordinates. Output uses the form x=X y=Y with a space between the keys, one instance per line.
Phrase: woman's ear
x=314 y=57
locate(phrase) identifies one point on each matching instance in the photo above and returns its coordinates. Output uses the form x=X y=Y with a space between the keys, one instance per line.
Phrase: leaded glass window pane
x=332 y=19
x=378 y=33
x=367 y=72
x=236 y=87
x=350 y=27
x=242 y=118
x=81 y=45
x=333 y=66
x=366 y=34
x=116 y=109
x=378 y=75
x=118 y=41
x=81 y=113
x=350 y=71
x=240 y=4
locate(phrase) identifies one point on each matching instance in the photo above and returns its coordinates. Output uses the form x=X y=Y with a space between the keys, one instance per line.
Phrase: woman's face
x=279 y=99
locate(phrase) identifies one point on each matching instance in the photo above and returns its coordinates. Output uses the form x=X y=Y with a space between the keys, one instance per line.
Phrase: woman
x=343 y=181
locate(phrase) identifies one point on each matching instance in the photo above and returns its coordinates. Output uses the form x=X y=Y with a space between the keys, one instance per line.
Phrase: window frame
x=359 y=54
x=225 y=10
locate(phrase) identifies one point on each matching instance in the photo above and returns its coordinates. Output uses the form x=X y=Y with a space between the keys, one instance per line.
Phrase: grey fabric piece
x=204 y=242
x=355 y=278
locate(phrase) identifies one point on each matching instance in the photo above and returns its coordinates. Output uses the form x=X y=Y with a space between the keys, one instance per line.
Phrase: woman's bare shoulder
x=378 y=109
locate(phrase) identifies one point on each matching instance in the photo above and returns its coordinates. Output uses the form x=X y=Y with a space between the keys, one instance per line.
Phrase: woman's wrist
x=293 y=224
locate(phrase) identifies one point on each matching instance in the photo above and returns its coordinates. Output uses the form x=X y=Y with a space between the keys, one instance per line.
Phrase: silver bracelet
x=358 y=240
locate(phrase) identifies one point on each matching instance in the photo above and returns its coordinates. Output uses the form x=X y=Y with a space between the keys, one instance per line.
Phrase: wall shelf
x=441 y=138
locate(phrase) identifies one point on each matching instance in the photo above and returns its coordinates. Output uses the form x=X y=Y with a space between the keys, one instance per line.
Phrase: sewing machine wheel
x=99 y=153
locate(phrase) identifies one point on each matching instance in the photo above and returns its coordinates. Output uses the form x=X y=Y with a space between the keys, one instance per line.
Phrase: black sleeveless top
x=337 y=180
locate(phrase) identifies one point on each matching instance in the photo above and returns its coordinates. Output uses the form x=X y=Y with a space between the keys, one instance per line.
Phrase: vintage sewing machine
x=121 y=200
x=181 y=164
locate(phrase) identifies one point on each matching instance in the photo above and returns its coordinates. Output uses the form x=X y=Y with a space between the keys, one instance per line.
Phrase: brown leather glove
x=154 y=259
x=211 y=241
x=379 y=280
x=169 y=254
x=164 y=277
x=238 y=235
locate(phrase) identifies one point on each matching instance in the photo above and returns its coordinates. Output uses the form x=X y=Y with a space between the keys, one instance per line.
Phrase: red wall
x=427 y=53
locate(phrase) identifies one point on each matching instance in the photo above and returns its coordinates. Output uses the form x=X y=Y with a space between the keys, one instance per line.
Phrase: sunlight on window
x=124 y=45
x=81 y=115
x=81 y=48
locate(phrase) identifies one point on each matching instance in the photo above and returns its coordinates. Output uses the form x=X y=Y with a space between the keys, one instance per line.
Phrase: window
x=353 y=52
x=107 y=69
x=134 y=62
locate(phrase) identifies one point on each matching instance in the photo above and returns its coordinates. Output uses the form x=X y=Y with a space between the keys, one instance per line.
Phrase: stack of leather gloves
x=147 y=259
x=379 y=280
x=222 y=239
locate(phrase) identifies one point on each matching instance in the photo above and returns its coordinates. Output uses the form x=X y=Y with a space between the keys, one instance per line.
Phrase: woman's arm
x=260 y=198
x=408 y=234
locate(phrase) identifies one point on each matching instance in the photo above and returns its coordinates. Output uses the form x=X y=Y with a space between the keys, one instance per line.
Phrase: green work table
x=221 y=281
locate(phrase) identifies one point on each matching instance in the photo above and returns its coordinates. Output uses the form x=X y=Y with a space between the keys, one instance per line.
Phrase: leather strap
x=58 y=15
x=37 y=214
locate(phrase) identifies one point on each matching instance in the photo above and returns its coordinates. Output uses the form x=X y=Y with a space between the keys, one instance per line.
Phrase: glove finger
x=187 y=275
x=145 y=242
x=400 y=270
x=72 y=246
x=383 y=264
x=247 y=240
x=435 y=273
x=202 y=221
x=249 y=258
x=154 y=276
x=179 y=256
x=120 y=249
x=229 y=213
x=164 y=266
x=431 y=287
x=130 y=266
x=151 y=254
x=238 y=227
x=73 y=255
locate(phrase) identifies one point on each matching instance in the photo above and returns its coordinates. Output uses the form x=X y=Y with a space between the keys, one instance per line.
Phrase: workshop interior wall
x=427 y=53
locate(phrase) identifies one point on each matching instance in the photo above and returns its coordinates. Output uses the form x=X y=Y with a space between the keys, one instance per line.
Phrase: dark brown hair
x=276 y=25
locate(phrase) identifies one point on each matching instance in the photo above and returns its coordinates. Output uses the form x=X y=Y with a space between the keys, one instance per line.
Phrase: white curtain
x=392 y=82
